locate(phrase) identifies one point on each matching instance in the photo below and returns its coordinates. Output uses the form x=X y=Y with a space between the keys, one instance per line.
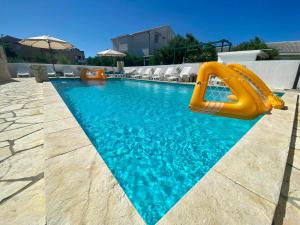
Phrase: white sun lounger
x=147 y=74
x=68 y=73
x=185 y=72
x=157 y=74
x=129 y=71
x=215 y=81
x=170 y=74
x=138 y=73
x=51 y=72
x=23 y=72
x=173 y=78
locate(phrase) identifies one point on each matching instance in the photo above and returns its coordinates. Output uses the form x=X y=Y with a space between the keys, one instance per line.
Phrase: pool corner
x=79 y=186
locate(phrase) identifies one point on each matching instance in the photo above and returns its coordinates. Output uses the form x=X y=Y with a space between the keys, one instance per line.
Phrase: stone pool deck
x=50 y=172
x=288 y=208
x=22 y=183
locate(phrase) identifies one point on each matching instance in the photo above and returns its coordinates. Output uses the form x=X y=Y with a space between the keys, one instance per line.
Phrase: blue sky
x=90 y=25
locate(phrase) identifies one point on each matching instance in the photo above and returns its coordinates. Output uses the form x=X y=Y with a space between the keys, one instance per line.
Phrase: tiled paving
x=288 y=209
x=22 y=198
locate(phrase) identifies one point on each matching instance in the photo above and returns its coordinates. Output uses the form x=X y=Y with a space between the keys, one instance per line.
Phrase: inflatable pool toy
x=93 y=74
x=248 y=96
x=274 y=100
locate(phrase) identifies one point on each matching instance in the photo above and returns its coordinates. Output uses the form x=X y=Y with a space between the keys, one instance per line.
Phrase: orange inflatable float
x=248 y=98
x=93 y=74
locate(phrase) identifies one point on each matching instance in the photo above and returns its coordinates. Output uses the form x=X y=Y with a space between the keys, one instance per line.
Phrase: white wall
x=240 y=56
x=277 y=74
x=15 y=67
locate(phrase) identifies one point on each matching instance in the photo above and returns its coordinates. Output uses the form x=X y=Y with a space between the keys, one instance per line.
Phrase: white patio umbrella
x=47 y=42
x=111 y=53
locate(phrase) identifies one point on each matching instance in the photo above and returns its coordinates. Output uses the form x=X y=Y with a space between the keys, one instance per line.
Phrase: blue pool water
x=155 y=147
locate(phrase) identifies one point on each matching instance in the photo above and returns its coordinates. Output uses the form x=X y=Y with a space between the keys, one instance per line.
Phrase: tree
x=99 y=61
x=106 y=61
x=209 y=53
x=9 y=51
x=129 y=60
x=92 y=61
x=41 y=58
x=62 y=59
x=184 y=49
x=256 y=44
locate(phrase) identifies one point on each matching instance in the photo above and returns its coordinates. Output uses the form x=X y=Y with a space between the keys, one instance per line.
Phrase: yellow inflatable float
x=274 y=100
x=93 y=74
x=249 y=97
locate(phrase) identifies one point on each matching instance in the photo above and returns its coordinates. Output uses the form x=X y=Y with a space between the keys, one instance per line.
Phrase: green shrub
x=62 y=59
x=257 y=44
x=184 y=49
x=129 y=60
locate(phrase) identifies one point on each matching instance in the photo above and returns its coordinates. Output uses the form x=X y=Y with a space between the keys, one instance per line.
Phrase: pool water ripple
x=155 y=147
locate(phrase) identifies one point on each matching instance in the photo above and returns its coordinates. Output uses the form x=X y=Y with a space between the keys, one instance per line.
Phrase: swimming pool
x=155 y=147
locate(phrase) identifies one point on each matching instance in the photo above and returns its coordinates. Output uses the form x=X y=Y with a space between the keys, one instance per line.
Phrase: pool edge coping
x=214 y=173
x=161 y=81
x=219 y=174
x=112 y=191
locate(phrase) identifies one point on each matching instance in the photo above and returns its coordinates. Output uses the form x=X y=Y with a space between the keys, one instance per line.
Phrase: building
x=287 y=49
x=74 y=55
x=145 y=42
x=30 y=54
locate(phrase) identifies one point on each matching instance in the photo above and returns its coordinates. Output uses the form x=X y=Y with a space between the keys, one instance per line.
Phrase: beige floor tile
x=257 y=163
x=64 y=141
x=80 y=189
x=218 y=200
x=27 y=207
x=59 y=125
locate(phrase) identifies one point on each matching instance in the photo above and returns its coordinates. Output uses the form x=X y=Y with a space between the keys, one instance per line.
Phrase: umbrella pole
x=51 y=53
x=113 y=65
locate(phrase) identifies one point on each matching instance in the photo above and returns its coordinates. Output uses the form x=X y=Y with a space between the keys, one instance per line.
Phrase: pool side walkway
x=80 y=189
x=244 y=186
x=50 y=173
x=288 y=209
x=22 y=183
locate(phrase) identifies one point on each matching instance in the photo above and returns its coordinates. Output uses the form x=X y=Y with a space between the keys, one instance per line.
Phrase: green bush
x=62 y=59
x=129 y=60
x=9 y=51
x=99 y=61
x=184 y=49
x=41 y=58
x=257 y=44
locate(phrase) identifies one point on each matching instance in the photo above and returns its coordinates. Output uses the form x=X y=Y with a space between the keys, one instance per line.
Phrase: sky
x=90 y=25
